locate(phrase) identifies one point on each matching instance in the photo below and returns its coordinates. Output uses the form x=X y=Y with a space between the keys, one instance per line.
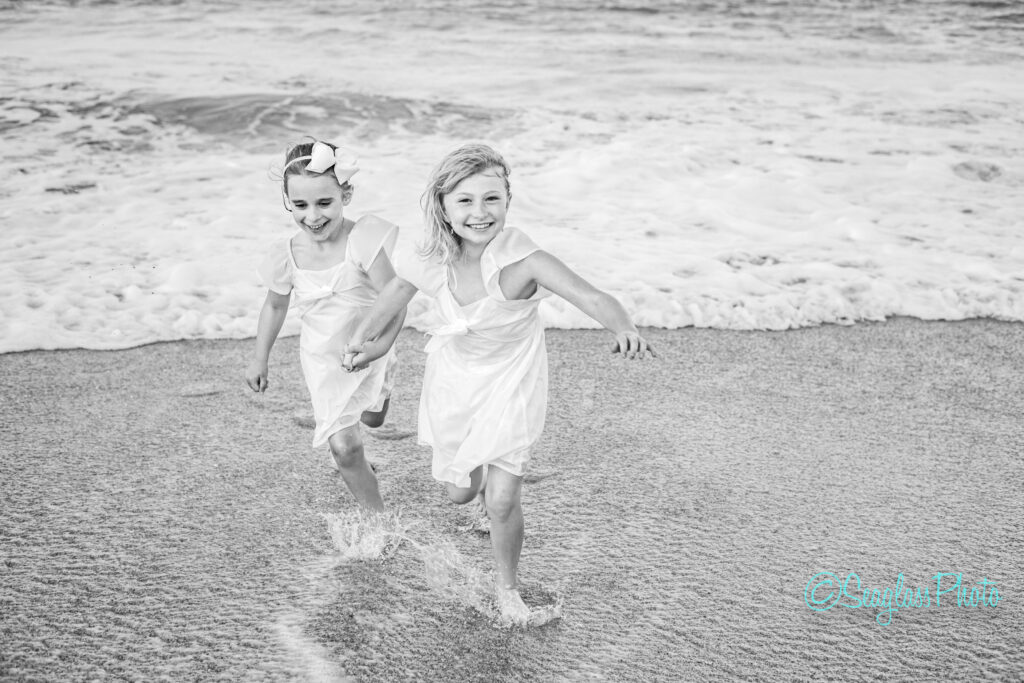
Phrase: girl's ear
x=346 y=195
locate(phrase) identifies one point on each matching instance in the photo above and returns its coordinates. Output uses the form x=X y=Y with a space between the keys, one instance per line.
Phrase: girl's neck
x=467 y=258
x=314 y=255
x=470 y=253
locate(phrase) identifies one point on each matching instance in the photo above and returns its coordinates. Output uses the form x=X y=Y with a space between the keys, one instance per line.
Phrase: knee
x=501 y=506
x=376 y=419
x=372 y=420
x=461 y=496
x=347 y=448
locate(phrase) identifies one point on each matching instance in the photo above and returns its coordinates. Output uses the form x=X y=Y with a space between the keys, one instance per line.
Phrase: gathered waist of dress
x=483 y=342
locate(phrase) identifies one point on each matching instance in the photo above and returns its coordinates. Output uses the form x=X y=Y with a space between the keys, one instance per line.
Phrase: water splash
x=545 y=614
x=364 y=535
x=449 y=574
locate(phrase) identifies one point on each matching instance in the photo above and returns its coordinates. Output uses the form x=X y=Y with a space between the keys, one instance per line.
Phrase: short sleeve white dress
x=485 y=387
x=331 y=303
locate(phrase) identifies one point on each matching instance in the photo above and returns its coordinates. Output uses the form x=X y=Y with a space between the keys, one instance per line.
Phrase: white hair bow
x=323 y=157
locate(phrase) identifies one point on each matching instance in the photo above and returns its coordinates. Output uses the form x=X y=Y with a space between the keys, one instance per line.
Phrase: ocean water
x=744 y=165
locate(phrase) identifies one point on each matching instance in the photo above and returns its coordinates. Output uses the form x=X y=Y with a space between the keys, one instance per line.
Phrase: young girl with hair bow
x=331 y=270
x=485 y=385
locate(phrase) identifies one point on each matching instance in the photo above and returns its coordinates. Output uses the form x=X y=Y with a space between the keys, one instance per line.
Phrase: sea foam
x=703 y=170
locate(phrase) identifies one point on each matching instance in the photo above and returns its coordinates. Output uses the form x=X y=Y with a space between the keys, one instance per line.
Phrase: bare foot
x=514 y=611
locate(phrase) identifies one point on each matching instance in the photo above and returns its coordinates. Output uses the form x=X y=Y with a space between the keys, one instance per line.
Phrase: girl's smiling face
x=318 y=205
x=477 y=206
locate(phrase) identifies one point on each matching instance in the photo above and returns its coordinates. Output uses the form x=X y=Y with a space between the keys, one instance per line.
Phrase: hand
x=348 y=356
x=631 y=345
x=256 y=376
x=359 y=355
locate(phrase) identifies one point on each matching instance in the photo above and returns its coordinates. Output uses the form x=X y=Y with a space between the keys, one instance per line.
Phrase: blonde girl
x=485 y=386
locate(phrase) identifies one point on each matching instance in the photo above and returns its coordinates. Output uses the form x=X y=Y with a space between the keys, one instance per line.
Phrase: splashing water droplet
x=362 y=535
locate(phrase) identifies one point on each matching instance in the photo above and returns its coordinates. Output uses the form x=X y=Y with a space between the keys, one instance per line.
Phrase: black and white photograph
x=511 y=341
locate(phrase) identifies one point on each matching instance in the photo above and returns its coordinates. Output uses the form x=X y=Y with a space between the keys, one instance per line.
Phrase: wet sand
x=160 y=521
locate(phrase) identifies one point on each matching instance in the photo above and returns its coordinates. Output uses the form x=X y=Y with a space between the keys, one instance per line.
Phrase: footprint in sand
x=977 y=170
x=388 y=433
x=534 y=477
x=385 y=433
x=197 y=390
x=304 y=421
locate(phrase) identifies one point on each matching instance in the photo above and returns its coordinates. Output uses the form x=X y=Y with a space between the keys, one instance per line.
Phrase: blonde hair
x=441 y=241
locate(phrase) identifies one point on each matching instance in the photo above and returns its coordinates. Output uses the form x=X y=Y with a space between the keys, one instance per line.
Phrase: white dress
x=485 y=387
x=331 y=304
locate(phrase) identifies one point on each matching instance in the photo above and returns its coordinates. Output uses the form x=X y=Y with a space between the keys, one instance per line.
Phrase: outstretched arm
x=370 y=340
x=550 y=273
x=272 y=316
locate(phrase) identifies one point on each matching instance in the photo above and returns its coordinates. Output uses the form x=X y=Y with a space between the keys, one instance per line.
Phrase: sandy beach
x=160 y=521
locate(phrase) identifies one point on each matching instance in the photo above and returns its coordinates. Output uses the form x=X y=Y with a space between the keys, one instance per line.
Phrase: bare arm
x=381 y=273
x=272 y=317
x=371 y=340
x=550 y=273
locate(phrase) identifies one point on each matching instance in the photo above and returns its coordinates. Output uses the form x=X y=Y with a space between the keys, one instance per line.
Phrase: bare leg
x=376 y=419
x=347 y=448
x=483 y=522
x=475 y=493
x=506 y=513
x=464 y=495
